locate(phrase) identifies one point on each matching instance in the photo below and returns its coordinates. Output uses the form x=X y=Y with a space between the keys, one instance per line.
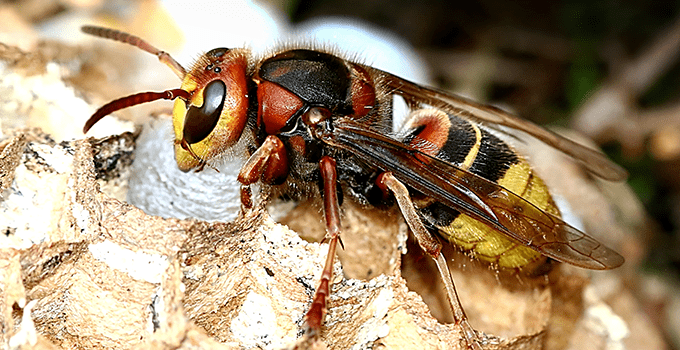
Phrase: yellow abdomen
x=490 y=245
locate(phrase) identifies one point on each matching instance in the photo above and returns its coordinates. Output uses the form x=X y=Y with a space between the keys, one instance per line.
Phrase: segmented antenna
x=117 y=35
x=132 y=100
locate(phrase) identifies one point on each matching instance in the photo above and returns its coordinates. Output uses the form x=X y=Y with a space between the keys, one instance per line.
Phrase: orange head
x=211 y=112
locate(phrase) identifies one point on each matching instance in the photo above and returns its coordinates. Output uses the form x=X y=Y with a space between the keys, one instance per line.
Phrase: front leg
x=269 y=164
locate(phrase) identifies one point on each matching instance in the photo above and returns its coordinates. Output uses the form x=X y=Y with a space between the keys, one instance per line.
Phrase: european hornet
x=317 y=124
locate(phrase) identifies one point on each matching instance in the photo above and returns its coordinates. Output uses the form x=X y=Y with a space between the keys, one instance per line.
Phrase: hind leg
x=432 y=247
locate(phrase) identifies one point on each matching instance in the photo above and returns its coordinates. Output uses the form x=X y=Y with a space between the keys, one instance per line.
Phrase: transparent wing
x=475 y=196
x=459 y=106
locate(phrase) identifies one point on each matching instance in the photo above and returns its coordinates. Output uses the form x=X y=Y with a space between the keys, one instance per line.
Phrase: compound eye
x=200 y=121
